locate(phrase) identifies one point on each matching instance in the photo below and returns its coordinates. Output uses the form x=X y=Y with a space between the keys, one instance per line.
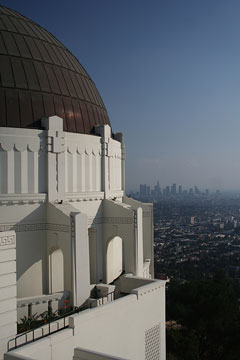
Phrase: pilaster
x=55 y=158
x=119 y=137
x=80 y=258
x=105 y=132
x=8 y=289
x=138 y=225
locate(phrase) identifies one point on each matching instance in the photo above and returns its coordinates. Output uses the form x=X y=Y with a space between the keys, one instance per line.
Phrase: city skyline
x=169 y=185
x=169 y=76
x=147 y=193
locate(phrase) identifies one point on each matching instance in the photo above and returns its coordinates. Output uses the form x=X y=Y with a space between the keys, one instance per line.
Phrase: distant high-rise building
x=147 y=191
x=180 y=189
x=196 y=190
x=67 y=257
x=143 y=190
x=173 y=189
x=157 y=189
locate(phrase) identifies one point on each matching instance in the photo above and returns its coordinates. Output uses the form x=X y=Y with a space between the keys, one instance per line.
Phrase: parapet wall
x=76 y=162
x=132 y=327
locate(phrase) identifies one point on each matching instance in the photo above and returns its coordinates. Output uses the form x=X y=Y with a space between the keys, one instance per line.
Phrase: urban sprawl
x=196 y=232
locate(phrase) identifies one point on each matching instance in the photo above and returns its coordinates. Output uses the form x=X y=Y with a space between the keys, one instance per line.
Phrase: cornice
x=12 y=199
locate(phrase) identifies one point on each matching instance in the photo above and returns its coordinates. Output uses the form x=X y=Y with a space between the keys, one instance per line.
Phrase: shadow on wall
x=46 y=229
x=31 y=241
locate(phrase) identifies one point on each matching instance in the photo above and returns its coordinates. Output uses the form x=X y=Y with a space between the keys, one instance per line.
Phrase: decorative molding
x=22 y=198
x=70 y=197
x=111 y=220
x=135 y=220
x=147 y=214
x=87 y=196
x=74 y=148
x=111 y=150
x=35 y=227
x=19 y=143
x=58 y=227
x=7 y=240
x=116 y=193
x=114 y=149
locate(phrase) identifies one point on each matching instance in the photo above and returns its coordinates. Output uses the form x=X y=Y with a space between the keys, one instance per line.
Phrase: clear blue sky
x=169 y=74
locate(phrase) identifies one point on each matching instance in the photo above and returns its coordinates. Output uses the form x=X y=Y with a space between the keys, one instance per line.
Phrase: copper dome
x=39 y=77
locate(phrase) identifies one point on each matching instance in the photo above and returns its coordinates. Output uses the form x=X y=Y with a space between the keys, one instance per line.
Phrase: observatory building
x=70 y=240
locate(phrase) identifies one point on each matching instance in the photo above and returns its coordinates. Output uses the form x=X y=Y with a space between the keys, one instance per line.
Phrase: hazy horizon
x=135 y=188
x=169 y=75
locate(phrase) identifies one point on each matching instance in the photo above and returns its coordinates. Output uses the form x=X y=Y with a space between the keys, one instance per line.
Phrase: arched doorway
x=114 y=259
x=56 y=271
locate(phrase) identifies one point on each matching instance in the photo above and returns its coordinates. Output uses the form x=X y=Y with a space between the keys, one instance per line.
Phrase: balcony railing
x=57 y=324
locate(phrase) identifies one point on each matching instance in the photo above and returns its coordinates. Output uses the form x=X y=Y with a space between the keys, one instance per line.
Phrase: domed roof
x=39 y=77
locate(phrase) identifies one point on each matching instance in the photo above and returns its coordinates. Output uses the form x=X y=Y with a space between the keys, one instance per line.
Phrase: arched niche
x=56 y=271
x=114 y=259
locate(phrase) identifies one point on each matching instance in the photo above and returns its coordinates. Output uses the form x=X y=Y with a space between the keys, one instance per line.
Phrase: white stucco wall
x=147 y=218
x=83 y=171
x=129 y=328
x=119 y=221
x=24 y=157
x=8 y=293
x=31 y=175
x=22 y=161
x=46 y=177
x=29 y=222
x=82 y=354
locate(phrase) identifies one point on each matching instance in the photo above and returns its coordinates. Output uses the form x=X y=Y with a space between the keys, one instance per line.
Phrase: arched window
x=56 y=271
x=114 y=259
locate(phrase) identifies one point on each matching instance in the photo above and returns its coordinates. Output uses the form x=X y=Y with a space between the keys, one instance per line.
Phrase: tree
x=208 y=312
